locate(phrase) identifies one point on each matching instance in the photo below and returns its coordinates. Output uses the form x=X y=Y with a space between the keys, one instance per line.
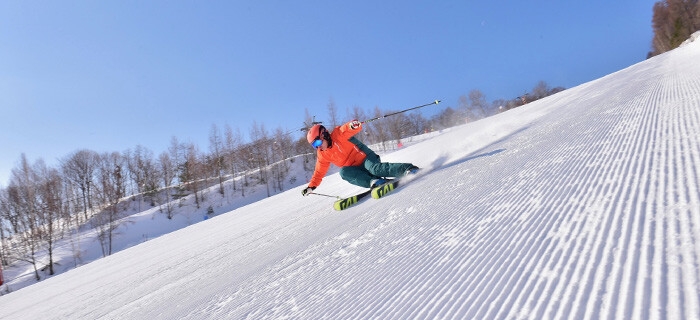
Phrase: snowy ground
x=585 y=204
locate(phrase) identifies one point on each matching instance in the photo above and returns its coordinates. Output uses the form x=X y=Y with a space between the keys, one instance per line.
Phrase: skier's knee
x=344 y=173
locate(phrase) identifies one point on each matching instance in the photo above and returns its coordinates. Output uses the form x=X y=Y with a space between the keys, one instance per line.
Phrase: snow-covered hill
x=585 y=204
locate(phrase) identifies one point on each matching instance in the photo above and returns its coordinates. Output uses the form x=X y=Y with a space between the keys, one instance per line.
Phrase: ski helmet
x=315 y=133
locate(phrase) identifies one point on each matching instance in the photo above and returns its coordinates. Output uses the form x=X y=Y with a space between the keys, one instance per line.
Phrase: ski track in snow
x=588 y=208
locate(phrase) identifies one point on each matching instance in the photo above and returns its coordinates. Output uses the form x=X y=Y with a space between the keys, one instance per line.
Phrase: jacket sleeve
x=319 y=172
x=346 y=133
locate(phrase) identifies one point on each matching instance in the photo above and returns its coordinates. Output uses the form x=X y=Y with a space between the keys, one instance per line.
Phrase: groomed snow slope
x=585 y=204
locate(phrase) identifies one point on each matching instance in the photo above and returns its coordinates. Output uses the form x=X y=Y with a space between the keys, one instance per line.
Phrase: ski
x=343 y=204
x=382 y=190
x=376 y=193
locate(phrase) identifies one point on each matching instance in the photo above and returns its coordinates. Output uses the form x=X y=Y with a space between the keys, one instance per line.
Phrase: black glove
x=306 y=191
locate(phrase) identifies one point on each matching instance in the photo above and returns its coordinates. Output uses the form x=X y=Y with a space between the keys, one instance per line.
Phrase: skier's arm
x=319 y=173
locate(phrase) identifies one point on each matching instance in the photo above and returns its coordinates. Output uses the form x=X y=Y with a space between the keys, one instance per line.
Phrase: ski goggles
x=323 y=135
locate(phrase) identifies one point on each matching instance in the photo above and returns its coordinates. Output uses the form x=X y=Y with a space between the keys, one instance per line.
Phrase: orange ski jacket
x=341 y=153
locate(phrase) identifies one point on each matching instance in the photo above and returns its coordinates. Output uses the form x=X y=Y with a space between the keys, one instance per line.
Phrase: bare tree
x=398 y=126
x=417 y=124
x=448 y=117
x=477 y=101
x=177 y=157
x=167 y=169
x=194 y=172
x=50 y=212
x=79 y=169
x=216 y=149
x=282 y=150
x=24 y=206
x=112 y=181
x=232 y=143
x=540 y=90
x=464 y=109
x=143 y=172
x=247 y=162
x=152 y=176
x=332 y=113
x=72 y=221
x=378 y=132
x=261 y=152
x=357 y=113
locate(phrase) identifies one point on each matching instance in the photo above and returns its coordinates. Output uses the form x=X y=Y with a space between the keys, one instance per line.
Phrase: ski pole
x=325 y=195
x=402 y=111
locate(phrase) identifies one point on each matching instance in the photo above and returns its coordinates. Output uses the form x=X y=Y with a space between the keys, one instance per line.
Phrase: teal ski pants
x=372 y=168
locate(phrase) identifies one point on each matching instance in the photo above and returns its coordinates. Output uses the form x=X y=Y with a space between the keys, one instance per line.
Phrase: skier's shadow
x=439 y=163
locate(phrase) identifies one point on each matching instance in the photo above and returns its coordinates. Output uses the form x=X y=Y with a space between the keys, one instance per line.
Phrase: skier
x=358 y=164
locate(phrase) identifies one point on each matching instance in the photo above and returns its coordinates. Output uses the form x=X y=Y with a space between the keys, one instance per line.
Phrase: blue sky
x=109 y=75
